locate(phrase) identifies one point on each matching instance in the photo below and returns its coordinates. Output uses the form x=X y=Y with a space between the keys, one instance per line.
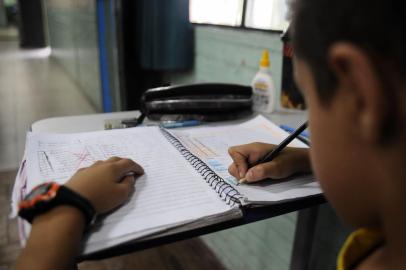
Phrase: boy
x=350 y=62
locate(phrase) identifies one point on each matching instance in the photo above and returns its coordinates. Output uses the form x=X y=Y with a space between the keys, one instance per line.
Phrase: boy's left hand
x=104 y=183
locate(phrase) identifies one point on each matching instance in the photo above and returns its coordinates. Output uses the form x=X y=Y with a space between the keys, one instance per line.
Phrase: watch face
x=39 y=190
x=39 y=200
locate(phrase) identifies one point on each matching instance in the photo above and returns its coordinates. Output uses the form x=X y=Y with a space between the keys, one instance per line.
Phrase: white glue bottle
x=264 y=96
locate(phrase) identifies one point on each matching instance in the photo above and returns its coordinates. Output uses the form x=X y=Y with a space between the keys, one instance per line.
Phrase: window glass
x=223 y=12
x=266 y=14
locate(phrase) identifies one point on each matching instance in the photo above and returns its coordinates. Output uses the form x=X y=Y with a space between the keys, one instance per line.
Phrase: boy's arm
x=288 y=162
x=55 y=236
x=54 y=240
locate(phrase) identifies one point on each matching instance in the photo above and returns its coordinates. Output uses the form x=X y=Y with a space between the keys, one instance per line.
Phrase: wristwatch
x=46 y=196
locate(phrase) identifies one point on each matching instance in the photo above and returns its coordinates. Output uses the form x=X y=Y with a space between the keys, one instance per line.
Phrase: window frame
x=242 y=26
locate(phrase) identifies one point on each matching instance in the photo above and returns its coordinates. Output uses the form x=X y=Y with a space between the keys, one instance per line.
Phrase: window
x=266 y=14
x=259 y=14
x=223 y=12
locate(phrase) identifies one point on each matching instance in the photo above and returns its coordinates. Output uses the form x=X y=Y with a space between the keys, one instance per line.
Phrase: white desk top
x=79 y=123
x=93 y=122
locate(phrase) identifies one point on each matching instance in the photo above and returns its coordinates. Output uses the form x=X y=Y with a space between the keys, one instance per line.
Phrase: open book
x=186 y=183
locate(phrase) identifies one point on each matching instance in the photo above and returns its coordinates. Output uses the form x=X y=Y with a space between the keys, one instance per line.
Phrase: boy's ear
x=359 y=81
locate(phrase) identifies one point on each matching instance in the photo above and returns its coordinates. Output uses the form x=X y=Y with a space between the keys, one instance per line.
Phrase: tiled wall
x=73 y=38
x=224 y=55
x=263 y=245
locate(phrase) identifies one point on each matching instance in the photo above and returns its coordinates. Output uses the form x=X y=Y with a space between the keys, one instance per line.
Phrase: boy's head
x=350 y=62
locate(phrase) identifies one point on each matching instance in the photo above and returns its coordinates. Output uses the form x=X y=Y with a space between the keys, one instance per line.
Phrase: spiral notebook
x=186 y=184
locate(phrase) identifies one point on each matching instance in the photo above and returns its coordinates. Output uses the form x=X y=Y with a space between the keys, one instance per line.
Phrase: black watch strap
x=62 y=195
x=66 y=196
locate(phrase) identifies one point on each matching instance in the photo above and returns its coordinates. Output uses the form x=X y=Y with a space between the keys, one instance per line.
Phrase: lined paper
x=170 y=192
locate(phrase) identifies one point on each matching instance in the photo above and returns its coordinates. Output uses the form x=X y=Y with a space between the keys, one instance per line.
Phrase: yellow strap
x=357 y=245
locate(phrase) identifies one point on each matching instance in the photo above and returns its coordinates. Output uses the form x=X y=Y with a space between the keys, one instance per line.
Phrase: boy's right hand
x=104 y=183
x=289 y=161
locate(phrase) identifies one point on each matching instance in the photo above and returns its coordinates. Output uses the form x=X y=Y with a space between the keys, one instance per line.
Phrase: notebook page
x=211 y=145
x=170 y=192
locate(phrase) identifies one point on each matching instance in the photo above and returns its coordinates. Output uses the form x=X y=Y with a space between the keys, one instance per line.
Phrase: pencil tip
x=242 y=181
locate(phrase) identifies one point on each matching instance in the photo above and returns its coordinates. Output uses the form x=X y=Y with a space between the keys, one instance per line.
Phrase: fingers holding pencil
x=288 y=162
x=263 y=171
x=245 y=156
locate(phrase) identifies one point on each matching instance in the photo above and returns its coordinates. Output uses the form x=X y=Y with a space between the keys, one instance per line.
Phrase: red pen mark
x=82 y=157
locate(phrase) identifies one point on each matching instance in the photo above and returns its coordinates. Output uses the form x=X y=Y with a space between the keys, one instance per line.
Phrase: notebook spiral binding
x=226 y=192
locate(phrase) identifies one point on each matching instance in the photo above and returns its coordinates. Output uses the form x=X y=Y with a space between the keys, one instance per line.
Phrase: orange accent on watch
x=49 y=195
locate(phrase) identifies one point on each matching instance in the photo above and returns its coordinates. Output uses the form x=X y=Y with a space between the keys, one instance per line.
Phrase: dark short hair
x=376 y=26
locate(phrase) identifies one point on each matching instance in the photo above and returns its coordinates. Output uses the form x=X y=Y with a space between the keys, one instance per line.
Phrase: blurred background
x=72 y=57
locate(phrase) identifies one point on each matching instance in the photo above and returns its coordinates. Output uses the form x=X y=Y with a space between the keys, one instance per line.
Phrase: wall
x=72 y=32
x=262 y=245
x=10 y=2
x=226 y=55
x=3 y=16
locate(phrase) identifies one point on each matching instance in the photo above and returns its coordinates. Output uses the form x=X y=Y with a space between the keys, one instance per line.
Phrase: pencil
x=272 y=154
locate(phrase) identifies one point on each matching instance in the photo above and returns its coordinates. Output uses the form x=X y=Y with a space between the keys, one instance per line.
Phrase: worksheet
x=211 y=144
